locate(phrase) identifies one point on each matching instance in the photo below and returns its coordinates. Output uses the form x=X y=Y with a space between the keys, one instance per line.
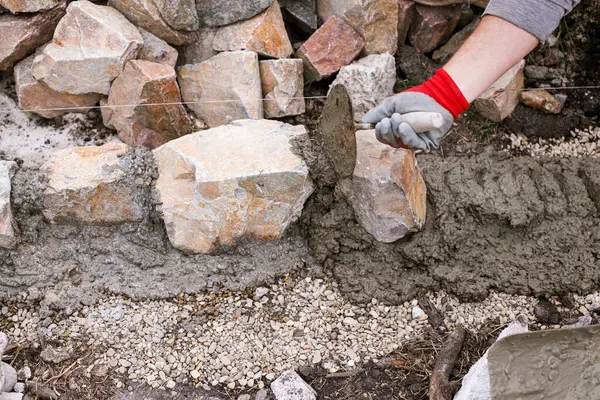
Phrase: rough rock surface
x=527 y=213
x=87 y=186
x=332 y=46
x=215 y=191
x=224 y=12
x=10 y=377
x=500 y=99
x=34 y=94
x=22 y=34
x=444 y=53
x=156 y=50
x=264 y=34
x=377 y=22
x=476 y=384
x=28 y=6
x=146 y=14
x=368 y=81
x=142 y=83
x=302 y=13
x=432 y=26
x=7 y=222
x=282 y=87
x=328 y=8
x=406 y=14
x=235 y=94
x=90 y=47
x=290 y=386
x=201 y=49
x=388 y=193
x=179 y=14
x=416 y=66
x=541 y=100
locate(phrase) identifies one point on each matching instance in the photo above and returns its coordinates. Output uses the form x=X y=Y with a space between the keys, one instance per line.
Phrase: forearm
x=494 y=47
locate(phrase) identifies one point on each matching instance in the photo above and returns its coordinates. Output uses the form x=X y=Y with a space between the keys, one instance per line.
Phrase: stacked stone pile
x=11 y=385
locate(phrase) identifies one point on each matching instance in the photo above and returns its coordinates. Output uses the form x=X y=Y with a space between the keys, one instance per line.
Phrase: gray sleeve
x=538 y=17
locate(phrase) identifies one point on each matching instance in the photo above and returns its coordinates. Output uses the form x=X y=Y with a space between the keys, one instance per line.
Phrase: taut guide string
x=238 y=101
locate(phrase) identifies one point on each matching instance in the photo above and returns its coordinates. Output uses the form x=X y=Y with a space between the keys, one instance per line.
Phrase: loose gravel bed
x=244 y=340
x=582 y=143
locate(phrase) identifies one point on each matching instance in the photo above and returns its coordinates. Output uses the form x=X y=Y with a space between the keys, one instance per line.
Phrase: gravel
x=582 y=143
x=237 y=340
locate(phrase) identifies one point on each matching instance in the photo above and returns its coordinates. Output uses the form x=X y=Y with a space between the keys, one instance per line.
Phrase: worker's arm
x=509 y=30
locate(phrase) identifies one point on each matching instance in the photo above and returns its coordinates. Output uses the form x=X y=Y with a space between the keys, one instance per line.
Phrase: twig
x=434 y=316
x=440 y=387
x=346 y=374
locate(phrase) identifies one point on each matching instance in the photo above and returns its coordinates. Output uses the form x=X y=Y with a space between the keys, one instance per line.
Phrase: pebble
x=582 y=143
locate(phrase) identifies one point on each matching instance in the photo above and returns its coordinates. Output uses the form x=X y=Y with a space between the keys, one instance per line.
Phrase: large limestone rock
x=9 y=377
x=87 y=185
x=147 y=14
x=143 y=83
x=157 y=50
x=28 y=6
x=202 y=48
x=332 y=46
x=227 y=183
x=432 y=26
x=282 y=87
x=22 y=34
x=179 y=14
x=90 y=47
x=224 y=12
x=302 y=13
x=224 y=88
x=388 y=193
x=264 y=34
x=290 y=386
x=368 y=81
x=36 y=95
x=406 y=13
x=377 y=22
x=500 y=99
x=7 y=223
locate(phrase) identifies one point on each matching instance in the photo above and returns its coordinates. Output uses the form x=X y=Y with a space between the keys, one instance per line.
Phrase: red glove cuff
x=442 y=89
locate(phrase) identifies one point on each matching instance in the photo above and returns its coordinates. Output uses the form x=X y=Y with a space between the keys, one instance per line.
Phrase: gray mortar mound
x=516 y=225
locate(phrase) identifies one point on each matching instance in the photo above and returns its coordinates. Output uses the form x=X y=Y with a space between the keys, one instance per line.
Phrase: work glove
x=438 y=95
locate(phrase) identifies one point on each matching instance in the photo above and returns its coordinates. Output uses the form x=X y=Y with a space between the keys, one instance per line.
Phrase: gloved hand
x=439 y=95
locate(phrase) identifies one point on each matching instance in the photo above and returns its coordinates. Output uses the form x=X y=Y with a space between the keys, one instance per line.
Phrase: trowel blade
x=561 y=364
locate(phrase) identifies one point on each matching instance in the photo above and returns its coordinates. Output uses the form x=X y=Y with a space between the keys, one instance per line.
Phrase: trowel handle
x=420 y=121
x=423 y=121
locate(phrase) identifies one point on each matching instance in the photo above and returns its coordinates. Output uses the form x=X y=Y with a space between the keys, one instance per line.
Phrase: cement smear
x=515 y=225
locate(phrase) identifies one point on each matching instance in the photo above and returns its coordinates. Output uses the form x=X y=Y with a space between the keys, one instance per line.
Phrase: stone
x=261 y=395
x=28 y=6
x=302 y=13
x=140 y=84
x=406 y=14
x=542 y=100
x=432 y=26
x=232 y=182
x=332 y=46
x=24 y=373
x=147 y=15
x=10 y=377
x=224 y=88
x=156 y=50
x=22 y=34
x=417 y=312
x=19 y=387
x=91 y=45
x=282 y=87
x=225 y=12
x=179 y=14
x=443 y=54
x=388 y=193
x=8 y=237
x=546 y=313
x=328 y=8
x=476 y=384
x=202 y=47
x=415 y=65
x=500 y=99
x=11 y=396
x=35 y=95
x=3 y=337
x=264 y=34
x=87 y=186
x=290 y=386
x=368 y=81
x=377 y=22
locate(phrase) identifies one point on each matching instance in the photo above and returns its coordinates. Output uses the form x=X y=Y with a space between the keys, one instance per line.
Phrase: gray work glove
x=390 y=130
